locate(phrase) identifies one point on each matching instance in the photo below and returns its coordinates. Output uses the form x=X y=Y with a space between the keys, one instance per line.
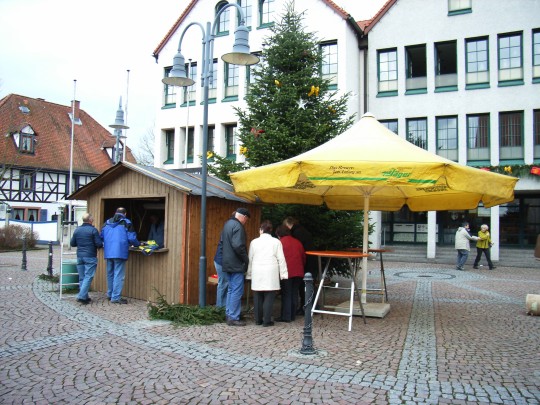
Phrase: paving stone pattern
x=451 y=337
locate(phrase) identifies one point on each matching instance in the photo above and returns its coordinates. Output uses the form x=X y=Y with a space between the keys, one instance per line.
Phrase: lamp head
x=119 y=121
x=240 y=53
x=177 y=75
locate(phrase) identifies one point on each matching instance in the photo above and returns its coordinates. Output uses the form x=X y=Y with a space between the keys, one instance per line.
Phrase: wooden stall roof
x=182 y=180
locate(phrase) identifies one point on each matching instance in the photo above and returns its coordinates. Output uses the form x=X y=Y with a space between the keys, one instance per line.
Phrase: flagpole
x=70 y=180
x=126 y=120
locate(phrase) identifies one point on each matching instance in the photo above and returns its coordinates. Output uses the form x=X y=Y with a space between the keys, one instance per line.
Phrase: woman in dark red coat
x=295 y=257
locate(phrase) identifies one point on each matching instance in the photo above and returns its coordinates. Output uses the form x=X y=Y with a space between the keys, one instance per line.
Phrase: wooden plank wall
x=218 y=211
x=175 y=274
x=145 y=273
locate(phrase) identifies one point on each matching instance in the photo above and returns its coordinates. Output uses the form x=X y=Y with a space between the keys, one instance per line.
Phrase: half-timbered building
x=36 y=156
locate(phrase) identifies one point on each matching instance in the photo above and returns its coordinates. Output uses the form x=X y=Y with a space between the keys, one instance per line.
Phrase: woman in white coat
x=267 y=266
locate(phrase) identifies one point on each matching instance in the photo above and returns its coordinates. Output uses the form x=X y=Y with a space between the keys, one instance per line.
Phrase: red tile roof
x=192 y=4
x=367 y=25
x=52 y=126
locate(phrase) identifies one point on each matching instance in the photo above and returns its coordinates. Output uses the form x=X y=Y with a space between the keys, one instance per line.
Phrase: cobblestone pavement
x=451 y=337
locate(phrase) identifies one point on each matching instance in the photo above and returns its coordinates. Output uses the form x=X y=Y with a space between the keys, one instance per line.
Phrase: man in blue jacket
x=87 y=241
x=118 y=235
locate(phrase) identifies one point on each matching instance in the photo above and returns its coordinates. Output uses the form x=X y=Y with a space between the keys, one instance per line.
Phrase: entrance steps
x=508 y=257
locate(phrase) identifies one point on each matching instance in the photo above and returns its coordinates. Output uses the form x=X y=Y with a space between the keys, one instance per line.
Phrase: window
x=27 y=180
x=459 y=6
x=329 y=66
x=212 y=85
x=211 y=139
x=266 y=11
x=251 y=75
x=247 y=10
x=388 y=77
x=536 y=55
x=477 y=61
x=536 y=129
x=392 y=125
x=169 y=92
x=478 y=137
x=230 y=140
x=223 y=23
x=27 y=140
x=33 y=215
x=511 y=135
x=190 y=91
x=416 y=69
x=169 y=144
x=510 y=59
x=447 y=137
x=446 y=66
x=232 y=77
x=190 y=143
x=417 y=132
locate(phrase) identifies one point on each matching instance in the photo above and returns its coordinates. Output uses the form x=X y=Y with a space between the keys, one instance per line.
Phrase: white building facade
x=462 y=80
x=179 y=123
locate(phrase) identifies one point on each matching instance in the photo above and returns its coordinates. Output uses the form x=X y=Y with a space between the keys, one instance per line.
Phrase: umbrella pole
x=365 y=248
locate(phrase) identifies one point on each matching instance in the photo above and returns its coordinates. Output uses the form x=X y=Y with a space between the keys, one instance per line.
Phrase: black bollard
x=49 y=264
x=23 y=266
x=307 y=342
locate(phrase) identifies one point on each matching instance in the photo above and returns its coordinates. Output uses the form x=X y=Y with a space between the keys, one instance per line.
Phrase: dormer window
x=25 y=140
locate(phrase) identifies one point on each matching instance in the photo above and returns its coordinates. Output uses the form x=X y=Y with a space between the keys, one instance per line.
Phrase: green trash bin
x=70 y=276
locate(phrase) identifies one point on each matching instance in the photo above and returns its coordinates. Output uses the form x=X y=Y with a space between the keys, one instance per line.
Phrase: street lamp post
x=177 y=77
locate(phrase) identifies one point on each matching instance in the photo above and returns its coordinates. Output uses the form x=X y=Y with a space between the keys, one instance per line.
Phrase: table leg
x=354 y=288
x=383 y=281
x=321 y=283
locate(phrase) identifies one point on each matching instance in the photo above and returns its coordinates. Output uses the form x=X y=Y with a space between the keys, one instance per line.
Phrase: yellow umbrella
x=370 y=167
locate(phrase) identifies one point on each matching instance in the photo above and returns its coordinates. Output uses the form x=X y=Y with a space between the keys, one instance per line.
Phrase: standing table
x=380 y=291
x=351 y=258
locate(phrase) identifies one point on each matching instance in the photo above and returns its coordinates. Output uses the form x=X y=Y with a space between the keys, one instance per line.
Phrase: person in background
x=482 y=246
x=87 y=241
x=118 y=235
x=157 y=231
x=235 y=263
x=295 y=258
x=463 y=245
x=267 y=266
x=223 y=278
x=299 y=232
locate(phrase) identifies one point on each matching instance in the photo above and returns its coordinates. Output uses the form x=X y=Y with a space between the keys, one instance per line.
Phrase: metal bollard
x=307 y=342
x=49 y=264
x=23 y=266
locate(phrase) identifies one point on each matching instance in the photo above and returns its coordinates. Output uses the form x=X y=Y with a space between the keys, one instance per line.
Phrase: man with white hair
x=482 y=246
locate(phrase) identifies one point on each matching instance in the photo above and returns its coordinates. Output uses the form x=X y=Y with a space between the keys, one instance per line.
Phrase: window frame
x=482 y=135
x=536 y=55
x=448 y=80
x=456 y=7
x=391 y=88
x=247 y=9
x=266 y=12
x=169 y=145
x=513 y=75
x=27 y=180
x=231 y=81
x=169 y=91
x=514 y=151
x=476 y=78
x=415 y=84
x=329 y=62
x=536 y=134
x=222 y=26
x=390 y=123
x=447 y=134
x=421 y=140
x=230 y=141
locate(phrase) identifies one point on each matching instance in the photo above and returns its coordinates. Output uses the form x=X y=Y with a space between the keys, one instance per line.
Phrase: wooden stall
x=175 y=196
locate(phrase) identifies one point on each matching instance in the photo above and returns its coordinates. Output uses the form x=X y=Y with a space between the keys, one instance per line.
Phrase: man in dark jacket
x=118 y=235
x=235 y=263
x=87 y=241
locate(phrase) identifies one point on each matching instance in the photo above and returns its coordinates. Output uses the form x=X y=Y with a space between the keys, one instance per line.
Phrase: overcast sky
x=46 y=44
